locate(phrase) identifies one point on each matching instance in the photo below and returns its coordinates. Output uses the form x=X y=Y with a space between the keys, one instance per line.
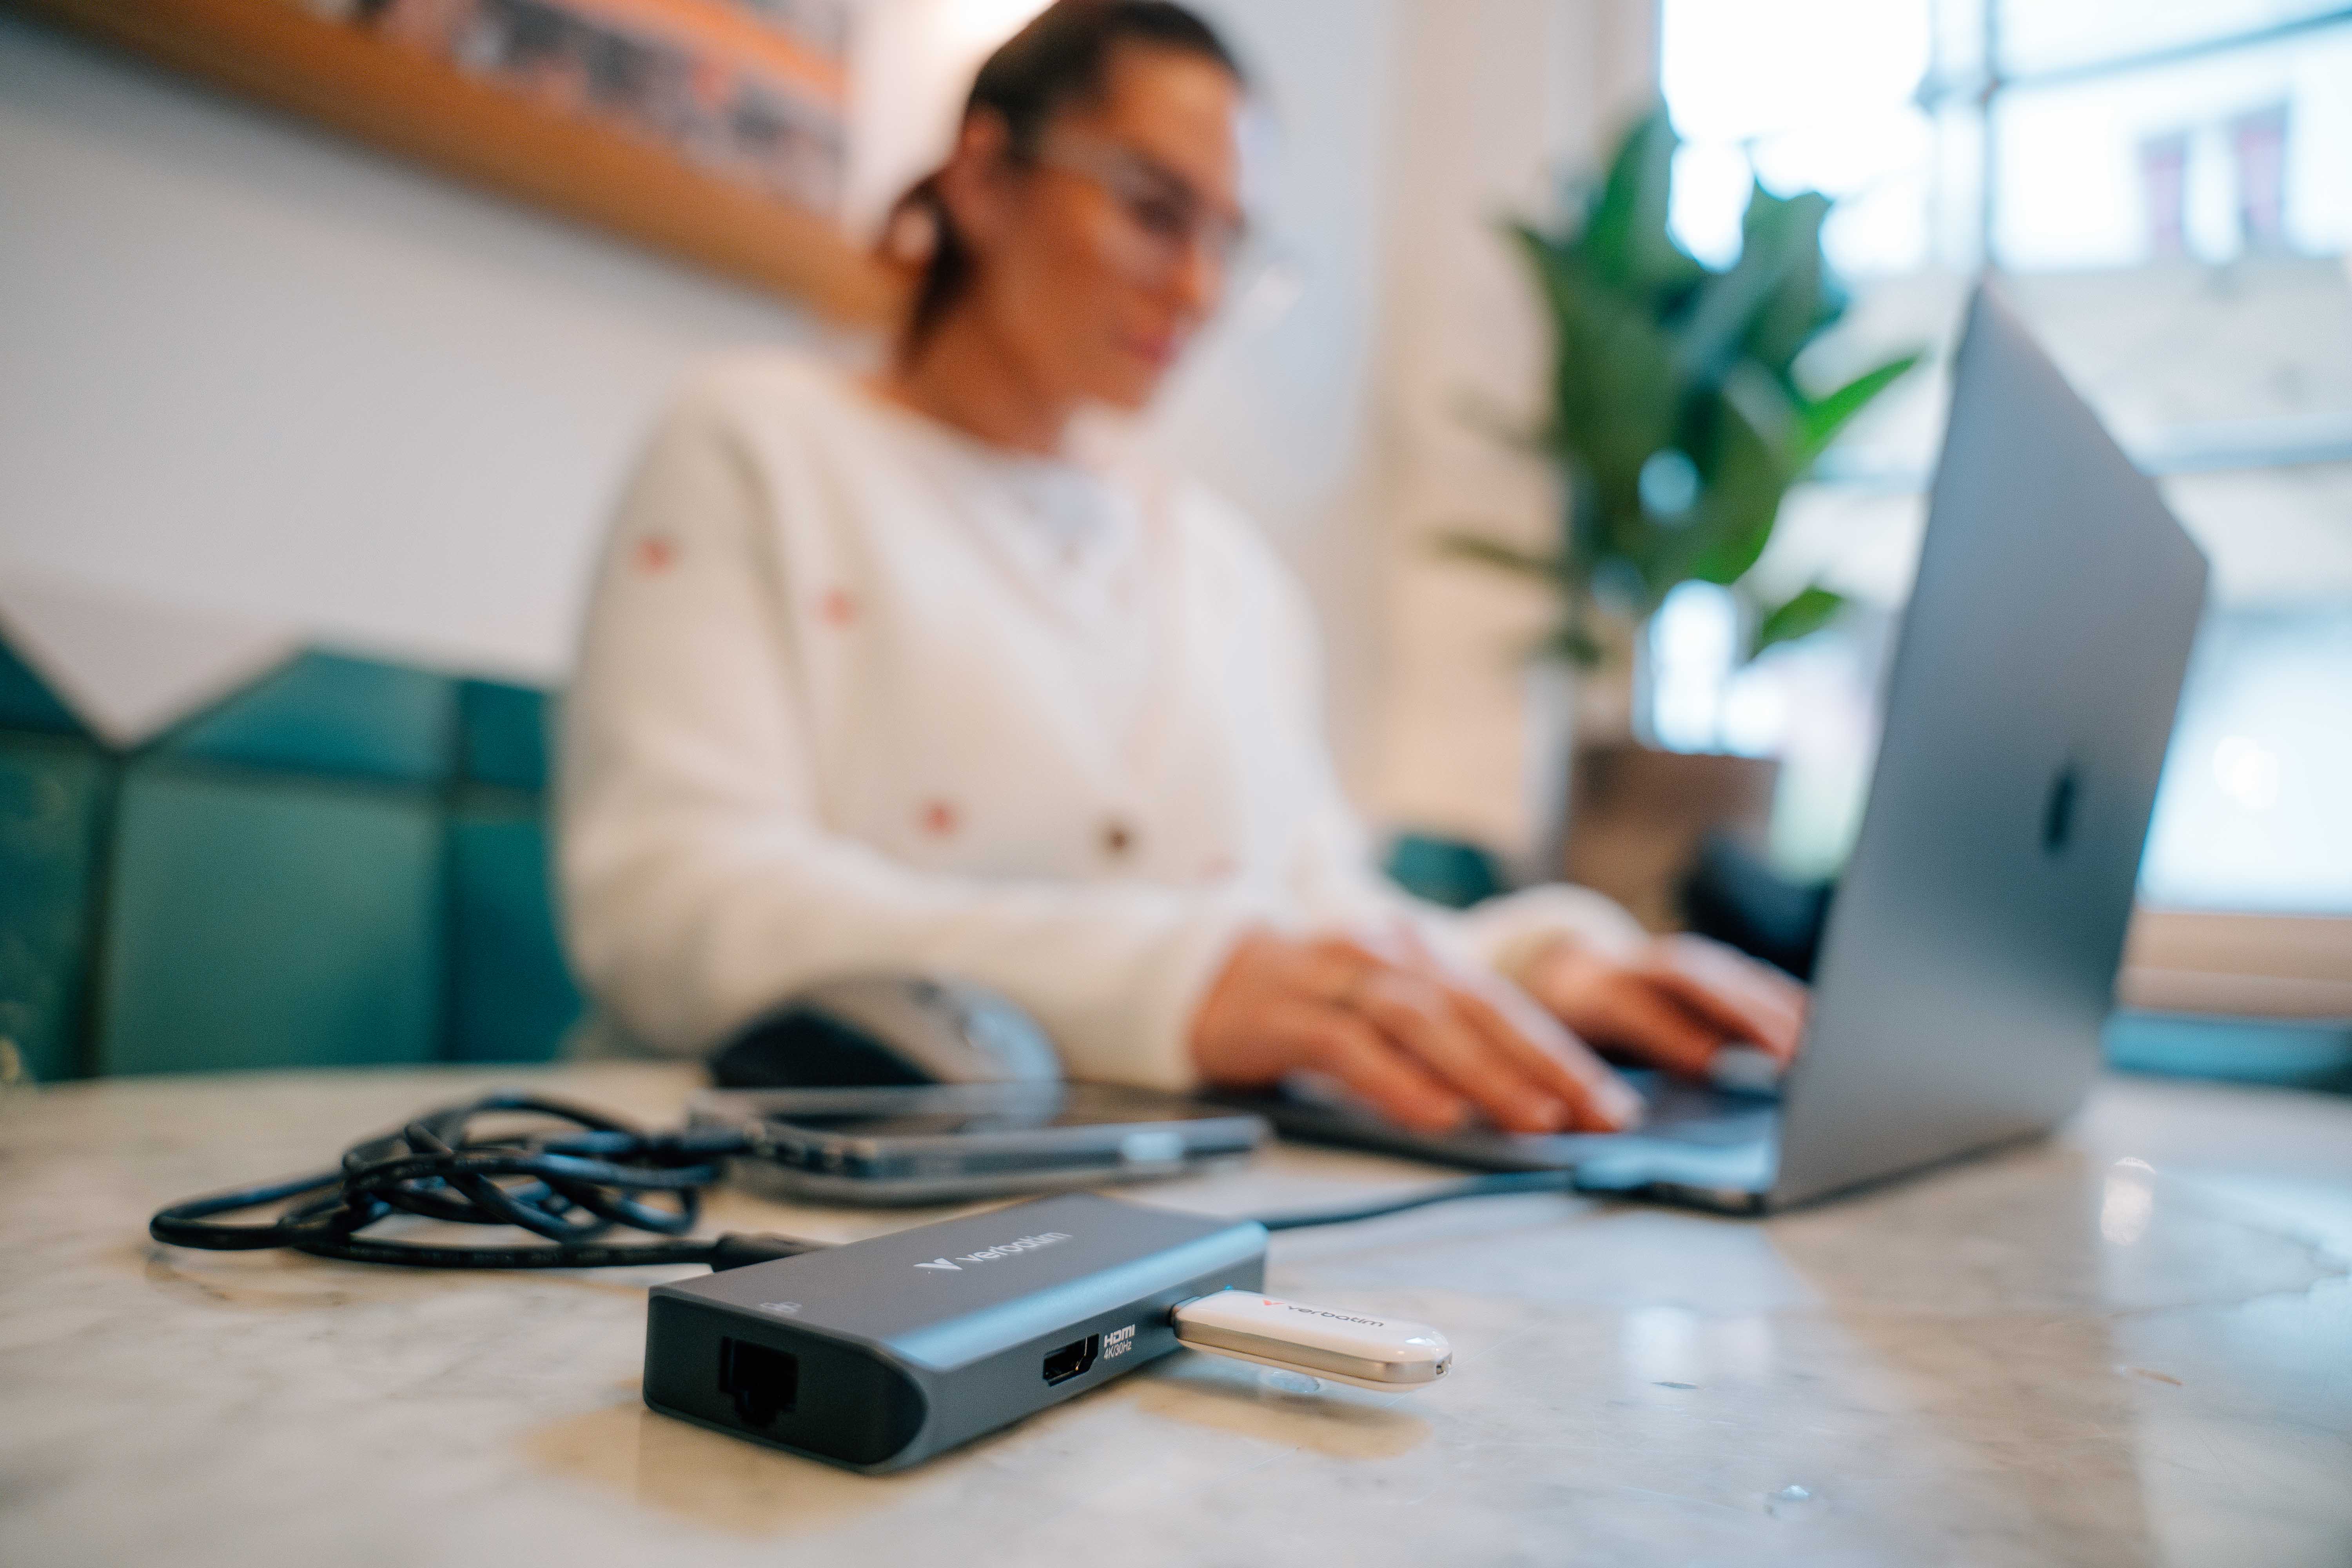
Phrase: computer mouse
x=880 y=1029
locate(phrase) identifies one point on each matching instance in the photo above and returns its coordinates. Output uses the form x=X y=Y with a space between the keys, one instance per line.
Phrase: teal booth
x=346 y=863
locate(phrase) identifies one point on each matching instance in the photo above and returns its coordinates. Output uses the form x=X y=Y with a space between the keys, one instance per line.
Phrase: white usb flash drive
x=1379 y=1353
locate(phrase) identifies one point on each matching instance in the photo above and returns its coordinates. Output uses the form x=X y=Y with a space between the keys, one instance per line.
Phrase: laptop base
x=1701 y=1148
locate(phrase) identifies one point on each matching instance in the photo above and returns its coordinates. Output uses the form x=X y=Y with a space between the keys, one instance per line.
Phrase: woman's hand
x=1675 y=1003
x=1423 y=1042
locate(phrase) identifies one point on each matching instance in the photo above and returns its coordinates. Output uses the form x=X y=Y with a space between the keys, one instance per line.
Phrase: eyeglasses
x=1163 y=220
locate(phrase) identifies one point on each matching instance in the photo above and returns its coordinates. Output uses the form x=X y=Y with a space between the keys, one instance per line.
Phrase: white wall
x=254 y=369
x=1284 y=415
x=1498 y=99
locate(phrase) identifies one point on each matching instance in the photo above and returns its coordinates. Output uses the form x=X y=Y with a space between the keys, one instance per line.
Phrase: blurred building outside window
x=2166 y=188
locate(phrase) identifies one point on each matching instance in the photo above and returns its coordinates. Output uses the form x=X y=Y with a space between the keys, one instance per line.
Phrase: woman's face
x=1099 y=257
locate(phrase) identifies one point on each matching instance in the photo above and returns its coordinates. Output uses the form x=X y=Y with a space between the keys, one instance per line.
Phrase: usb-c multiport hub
x=879 y=1353
x=1072 y=1359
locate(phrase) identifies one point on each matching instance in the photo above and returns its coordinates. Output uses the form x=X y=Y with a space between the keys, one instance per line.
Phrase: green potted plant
x=1677 y=419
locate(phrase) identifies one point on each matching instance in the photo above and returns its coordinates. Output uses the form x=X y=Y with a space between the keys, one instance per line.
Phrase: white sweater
x=859 y=693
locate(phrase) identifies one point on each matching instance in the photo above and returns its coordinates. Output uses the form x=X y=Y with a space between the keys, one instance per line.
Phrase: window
x=2166 y=187
x=2039 y=133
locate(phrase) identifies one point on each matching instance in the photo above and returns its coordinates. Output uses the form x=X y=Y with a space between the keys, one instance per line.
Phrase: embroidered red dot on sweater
x=838 y=608
x=656 y=554
x=940 y=818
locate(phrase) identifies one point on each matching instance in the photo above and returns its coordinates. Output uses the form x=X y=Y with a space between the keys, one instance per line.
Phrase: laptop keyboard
x=1695 y=1116
x=1683 y=1113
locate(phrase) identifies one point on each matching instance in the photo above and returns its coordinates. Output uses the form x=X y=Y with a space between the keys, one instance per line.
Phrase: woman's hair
x=1060 y=58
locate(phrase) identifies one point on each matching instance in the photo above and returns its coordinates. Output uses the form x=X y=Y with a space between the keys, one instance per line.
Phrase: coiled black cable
x=572 y=1185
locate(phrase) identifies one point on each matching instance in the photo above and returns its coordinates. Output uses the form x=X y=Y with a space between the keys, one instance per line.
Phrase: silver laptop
x=1971 y=956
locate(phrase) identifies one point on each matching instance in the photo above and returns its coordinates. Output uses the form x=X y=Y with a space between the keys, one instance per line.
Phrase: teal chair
x=346 y=863
x=276 y=892
x=54 y=792
x=56 y=788
x=328 y=716
x=511 y=997
x=256 y=919
x=27 y=704
x=1446 y=872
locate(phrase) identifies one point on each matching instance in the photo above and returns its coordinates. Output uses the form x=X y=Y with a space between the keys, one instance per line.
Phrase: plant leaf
x=1466 y=546
x=1746 y=476
x=1574 y=645
x=1618 y=398
x=1790 y=229
x=1820 y=419
x=1808 y=612
x=1653 y=353
x=1726 y=308
x=1546 y=257
x=1626 y=236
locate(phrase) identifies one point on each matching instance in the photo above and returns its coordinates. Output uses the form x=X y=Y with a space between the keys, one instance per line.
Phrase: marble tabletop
x=2130 y=1344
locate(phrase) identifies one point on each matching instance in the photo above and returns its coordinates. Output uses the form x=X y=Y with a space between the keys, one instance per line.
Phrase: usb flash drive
x=1381 y=1354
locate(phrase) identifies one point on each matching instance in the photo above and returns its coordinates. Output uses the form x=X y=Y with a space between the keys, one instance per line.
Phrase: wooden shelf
x=410 y=103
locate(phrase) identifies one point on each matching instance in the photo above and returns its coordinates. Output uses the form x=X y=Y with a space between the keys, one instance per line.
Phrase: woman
x=926 y=672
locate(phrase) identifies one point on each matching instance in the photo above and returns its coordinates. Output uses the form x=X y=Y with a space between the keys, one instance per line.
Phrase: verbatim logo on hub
x=991 y=1254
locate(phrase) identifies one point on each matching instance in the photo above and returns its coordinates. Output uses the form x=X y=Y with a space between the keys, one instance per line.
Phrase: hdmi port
x=1072 y=1359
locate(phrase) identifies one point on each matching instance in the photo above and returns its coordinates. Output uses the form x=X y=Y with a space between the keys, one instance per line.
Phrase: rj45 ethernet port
x=763 y=1383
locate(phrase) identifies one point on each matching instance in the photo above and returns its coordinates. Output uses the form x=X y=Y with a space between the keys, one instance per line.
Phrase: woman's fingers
x=1492 y=1043
x=1597 y=1100
x=1336 y=1042
x=1516 y=1029
x=1424 y=1044
x=1419 y=1014
x=1333 y=968
x=1749 y=1001
x=1635 y=1015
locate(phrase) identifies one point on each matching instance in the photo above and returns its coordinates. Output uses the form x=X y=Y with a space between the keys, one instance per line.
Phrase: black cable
x=1495 y=1186
x=572 y=1185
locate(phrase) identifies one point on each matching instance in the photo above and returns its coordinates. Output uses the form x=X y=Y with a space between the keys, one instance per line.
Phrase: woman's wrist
x=1528 y=961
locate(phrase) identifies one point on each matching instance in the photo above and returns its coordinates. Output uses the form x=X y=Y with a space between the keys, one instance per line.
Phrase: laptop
x=1970 y=959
